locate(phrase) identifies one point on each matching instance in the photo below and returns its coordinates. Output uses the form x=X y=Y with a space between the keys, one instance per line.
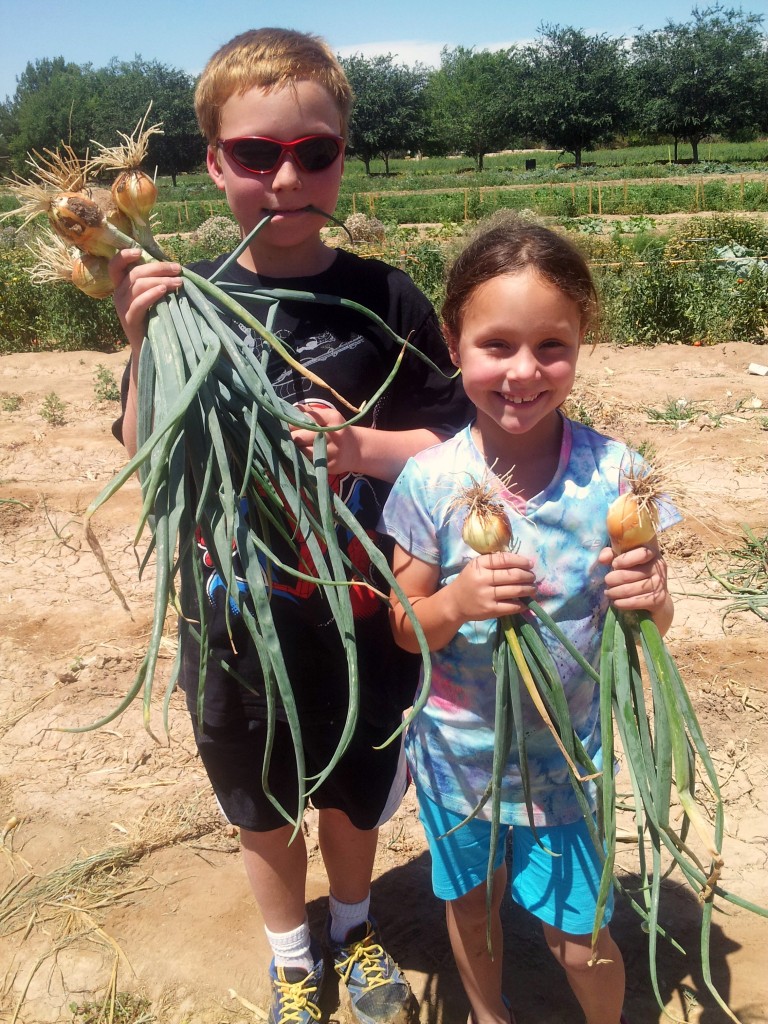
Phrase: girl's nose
x=522 y=365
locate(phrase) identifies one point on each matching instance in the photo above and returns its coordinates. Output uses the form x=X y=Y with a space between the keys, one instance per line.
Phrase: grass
x=743 y=573
x=677 y=410
x=10 y=403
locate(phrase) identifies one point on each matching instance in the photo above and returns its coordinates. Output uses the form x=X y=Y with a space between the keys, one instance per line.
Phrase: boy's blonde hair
x=267 y=58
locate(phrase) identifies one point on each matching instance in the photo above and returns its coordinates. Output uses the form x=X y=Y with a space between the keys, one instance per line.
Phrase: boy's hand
x=491 y=586
x=343 y=453
x=138 y=286
x=637 y=581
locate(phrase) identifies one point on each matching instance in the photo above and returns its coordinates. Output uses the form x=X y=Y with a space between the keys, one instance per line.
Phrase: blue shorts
x=561 y=891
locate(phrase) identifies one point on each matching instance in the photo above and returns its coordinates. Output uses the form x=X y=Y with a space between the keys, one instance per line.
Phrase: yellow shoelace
x=371 y=957
x=296 y=1000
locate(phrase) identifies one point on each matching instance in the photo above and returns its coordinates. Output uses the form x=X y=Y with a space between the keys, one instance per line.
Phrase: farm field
x=117 y=872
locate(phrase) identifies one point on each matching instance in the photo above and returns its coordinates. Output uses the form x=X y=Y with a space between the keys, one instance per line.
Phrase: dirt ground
x=117 y=872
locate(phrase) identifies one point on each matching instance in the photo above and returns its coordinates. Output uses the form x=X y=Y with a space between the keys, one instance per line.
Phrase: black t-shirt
x=353 y=355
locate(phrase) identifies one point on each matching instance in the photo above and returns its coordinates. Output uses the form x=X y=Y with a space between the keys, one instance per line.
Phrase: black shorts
x=367 y=784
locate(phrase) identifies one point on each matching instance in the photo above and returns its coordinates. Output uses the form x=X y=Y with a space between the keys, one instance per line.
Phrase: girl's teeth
x=521 y=401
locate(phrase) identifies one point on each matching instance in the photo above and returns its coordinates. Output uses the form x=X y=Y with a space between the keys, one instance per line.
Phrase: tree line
x=567 y=90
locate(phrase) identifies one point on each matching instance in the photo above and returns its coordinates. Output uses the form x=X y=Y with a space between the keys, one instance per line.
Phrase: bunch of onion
x=661 y=750
x=522 y=664
x=655 y=752
x=216 y=454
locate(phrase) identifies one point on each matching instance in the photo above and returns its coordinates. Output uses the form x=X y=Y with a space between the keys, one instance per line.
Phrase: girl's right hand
x=138 y=286
x=494 y=585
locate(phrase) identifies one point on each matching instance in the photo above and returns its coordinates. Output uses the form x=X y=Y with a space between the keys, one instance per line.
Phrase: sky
x=184 y=33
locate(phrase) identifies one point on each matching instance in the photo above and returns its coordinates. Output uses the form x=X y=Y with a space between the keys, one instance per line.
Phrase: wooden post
x=466 y=204
x=626 y=203
x=372 y=204
x=590 y=198
x=178 y=214
x=696 y=200
x=600 y=200
x=186 y=210
x=741 y=189
x=703 y=201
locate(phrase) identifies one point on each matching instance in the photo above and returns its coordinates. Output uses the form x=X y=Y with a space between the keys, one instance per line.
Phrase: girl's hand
x=637 y=581
x=491 y=586
x=341 y=446
x=138 y=286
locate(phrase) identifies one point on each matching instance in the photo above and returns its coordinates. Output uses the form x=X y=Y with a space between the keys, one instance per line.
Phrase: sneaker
x=295 y=994
x=378 y=992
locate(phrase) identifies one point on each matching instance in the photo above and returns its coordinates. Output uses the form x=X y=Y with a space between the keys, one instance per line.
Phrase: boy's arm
x=638 y=582
x=486 y=588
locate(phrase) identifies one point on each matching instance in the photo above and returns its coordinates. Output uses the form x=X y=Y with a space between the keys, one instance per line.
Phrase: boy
x=273 y=105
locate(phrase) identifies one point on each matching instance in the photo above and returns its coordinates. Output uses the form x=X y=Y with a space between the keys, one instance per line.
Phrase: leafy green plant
x=106 y=388
x=10 y=403
x=52 y=410
x=677 y=410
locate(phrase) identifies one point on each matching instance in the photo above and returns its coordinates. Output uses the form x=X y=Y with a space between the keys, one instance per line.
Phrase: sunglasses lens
x=256 y=154
x=317 y=154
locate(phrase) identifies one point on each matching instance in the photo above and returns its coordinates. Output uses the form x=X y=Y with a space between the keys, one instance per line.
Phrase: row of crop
x=676 y=288
x=457 y=205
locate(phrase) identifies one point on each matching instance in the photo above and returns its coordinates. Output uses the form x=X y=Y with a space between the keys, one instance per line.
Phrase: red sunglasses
x=260 y=155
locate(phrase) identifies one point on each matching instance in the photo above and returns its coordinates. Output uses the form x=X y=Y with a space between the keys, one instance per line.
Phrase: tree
x=701 y=77
x=52 y=104
x=473 y=101
x=576 y=96
x=126 y=90
x=388 y=111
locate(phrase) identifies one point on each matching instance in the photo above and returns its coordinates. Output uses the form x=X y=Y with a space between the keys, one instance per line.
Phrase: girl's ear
x=453 y=346
x=214 y=168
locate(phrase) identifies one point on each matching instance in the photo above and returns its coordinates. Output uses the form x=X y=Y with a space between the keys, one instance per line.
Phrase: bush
x=36 y=317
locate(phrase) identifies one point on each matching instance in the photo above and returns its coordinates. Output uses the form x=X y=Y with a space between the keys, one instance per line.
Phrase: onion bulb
x=631 y=522
x=90 y=275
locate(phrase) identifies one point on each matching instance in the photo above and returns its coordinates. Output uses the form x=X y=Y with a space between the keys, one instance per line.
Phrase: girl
x=519 y=300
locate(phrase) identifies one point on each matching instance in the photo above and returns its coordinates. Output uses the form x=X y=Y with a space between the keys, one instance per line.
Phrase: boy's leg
x=467 y=919
x=277 y=872
x=599 y=987
x=348 y=854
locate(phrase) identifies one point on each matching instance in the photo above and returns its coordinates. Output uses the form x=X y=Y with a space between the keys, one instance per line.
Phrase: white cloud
x=410 y=51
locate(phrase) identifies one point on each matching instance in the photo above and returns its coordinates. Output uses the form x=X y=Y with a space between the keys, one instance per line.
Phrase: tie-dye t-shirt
x=562 y=530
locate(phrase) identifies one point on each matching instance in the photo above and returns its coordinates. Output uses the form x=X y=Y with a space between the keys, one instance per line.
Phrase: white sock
x=346 y=916
x=291 y=949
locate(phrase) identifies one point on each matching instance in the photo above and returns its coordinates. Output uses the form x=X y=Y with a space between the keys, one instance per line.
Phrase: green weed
x=106 y=388
x=677 y=410
x=10 y=403
x=52 y=410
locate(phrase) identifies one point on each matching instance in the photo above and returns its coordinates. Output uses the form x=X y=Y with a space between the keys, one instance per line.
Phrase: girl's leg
x=480 y=974
x=599 y=988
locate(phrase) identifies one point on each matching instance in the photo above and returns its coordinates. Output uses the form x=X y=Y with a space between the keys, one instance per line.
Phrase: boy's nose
x=287 y=173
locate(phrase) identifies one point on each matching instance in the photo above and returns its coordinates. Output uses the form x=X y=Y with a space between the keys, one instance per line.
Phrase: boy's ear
x=214 y=168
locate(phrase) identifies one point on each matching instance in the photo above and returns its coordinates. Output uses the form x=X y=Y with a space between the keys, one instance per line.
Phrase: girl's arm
x=488 y=587
x=638 y=582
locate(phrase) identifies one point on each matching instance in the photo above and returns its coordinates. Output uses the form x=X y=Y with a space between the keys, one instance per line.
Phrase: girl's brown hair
x=511 y=245
x=268 y=58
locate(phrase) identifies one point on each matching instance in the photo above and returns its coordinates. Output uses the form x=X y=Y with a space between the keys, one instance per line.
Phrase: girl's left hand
x=637 y=579
x=340 y=444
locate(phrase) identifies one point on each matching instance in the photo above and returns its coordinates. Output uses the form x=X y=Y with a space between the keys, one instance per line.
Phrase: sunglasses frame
x=228 y=146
